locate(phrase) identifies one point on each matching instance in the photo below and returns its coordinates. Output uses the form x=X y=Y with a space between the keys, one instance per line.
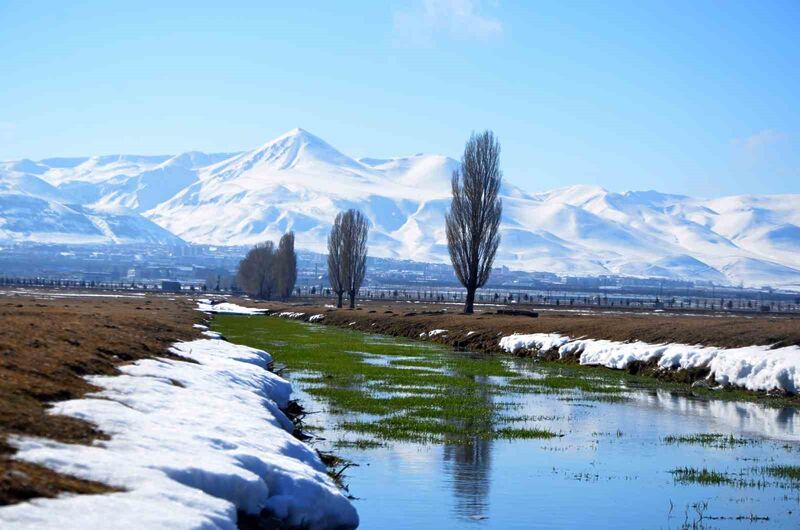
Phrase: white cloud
x=425 y=20
x=755 y=145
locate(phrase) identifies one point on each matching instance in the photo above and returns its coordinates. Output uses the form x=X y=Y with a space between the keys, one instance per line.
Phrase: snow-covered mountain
x=33 y=210
x=298 y=182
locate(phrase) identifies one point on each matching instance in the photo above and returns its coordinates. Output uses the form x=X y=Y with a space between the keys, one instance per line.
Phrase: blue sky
x=684 y=97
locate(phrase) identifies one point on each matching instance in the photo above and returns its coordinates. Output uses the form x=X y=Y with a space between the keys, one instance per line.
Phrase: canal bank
x=533 y=445
x=728 y=357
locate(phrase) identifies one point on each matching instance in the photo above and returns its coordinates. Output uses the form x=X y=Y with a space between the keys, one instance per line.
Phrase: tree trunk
x=352 y=299
x=339 y=302
x=470 y=300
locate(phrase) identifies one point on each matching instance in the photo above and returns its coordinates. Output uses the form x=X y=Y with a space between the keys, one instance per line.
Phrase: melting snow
x=191 y=444
x=751 y=367
x=206 y=306
x=290 y=314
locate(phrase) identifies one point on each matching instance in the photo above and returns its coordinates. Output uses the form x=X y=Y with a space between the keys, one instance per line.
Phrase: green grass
x=564 y=382
x=525 y=434
x=360 y=443
x=428 y=394
x=721 y=441
x=705 y=477
x=786 y=472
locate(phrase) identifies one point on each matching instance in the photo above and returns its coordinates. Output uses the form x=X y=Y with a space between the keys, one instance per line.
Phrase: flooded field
x=446 y=439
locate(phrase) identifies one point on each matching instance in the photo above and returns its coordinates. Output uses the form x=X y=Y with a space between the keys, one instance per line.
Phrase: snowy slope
x=33 y=210
x=299 y=182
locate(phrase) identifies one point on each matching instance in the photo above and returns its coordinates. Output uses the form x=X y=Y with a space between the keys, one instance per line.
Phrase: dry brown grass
x=47 y=346
x=409 y=320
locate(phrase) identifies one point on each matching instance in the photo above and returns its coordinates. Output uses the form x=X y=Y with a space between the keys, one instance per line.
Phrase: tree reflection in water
x=469 y=463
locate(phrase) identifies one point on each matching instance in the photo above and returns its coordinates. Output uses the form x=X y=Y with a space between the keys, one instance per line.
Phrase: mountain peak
x=298 y=134
x=298 y=147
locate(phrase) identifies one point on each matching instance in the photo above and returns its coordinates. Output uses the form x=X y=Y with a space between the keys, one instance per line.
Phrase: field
x=48 y=343
x=412 y=319
x=50 y=340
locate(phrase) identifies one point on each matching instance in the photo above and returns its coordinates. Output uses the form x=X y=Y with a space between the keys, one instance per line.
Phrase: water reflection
x=611 y=469
x=469 y=464
x=738 y=416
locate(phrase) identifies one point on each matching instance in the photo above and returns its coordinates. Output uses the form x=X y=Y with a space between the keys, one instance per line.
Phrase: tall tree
x=356 y=230
x=256 y=275
x=335 y=258
x=347 y=254
x=285 y=266
x=473 y=221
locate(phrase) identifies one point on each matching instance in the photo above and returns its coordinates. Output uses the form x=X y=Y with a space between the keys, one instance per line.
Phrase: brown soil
x=409 y=320
x=47 y=346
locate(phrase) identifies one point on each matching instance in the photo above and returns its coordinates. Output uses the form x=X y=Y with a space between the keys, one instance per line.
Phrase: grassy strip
x=785 y=472
x=690 y=475
x=411 y=390
x=717 y=440
x=563 y=382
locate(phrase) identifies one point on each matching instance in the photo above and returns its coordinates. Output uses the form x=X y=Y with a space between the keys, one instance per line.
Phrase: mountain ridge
x=298 y=182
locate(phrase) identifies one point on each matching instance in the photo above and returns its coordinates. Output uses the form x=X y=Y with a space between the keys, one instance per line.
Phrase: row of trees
x=267 y=272
x=472 y=225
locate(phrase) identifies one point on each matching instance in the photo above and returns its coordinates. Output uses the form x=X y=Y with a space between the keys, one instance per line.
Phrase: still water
x=649 y=458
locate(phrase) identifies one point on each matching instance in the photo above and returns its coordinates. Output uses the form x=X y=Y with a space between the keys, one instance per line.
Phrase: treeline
x=268 y=272
x=472 y=225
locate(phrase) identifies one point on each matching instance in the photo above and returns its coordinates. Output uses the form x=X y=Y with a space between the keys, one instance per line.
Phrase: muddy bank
x=410 y=320
x=482 y=332
x=48 y=344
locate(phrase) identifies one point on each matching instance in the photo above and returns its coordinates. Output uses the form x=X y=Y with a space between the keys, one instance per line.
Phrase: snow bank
x=316 y=318
x=536 y=341
x=228 y=308
x=191 y=444
x=290 y=314
x=751 y=367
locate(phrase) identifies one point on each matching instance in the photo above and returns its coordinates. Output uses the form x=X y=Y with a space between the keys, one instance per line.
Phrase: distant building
x=171 y=286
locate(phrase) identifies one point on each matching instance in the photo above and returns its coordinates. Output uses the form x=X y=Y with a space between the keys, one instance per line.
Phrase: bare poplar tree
x=356 y=230
x=285 y=266
x=473 y=221
x=347 y=254
x=335 y=258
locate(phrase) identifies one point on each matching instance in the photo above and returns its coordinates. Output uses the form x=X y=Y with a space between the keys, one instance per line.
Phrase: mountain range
x=298 y=182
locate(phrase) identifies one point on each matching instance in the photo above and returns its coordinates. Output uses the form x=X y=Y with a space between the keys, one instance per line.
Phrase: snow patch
x=316 y=318
x=191 y=444
x=758 y=368
x=207 y=306
x=291 y=314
